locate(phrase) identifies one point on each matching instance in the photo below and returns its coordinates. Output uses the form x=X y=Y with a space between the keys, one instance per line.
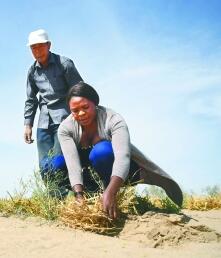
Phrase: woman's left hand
x=109 y=197
x=109 y=204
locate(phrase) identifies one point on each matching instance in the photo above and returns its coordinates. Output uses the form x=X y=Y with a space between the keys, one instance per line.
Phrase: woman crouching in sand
x=96 y=136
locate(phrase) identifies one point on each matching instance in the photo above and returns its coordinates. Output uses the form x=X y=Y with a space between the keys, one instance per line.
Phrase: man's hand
x=28 y=134
x=109 y=197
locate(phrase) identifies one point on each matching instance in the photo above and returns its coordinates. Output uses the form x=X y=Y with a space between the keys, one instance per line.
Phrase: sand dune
x=193 y=234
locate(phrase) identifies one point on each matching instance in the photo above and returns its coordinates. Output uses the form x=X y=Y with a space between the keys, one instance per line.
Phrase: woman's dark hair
x=84 y=90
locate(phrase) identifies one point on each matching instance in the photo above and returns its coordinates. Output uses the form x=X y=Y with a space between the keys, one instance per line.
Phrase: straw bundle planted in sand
x=87 y=215
x=90 y=216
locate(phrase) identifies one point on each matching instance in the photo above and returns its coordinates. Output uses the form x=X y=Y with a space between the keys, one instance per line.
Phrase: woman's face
x=83 y=110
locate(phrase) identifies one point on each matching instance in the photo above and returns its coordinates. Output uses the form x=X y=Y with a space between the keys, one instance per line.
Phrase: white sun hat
x=37 y=36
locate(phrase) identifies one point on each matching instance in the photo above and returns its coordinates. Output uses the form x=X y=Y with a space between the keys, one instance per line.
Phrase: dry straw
x=203 y=203
x=90 y=216
x=87 y=215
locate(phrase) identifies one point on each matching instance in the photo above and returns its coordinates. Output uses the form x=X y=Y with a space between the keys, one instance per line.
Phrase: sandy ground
x=193 y=234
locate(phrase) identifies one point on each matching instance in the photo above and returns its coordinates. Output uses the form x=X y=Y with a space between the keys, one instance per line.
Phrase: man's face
x=40 y=52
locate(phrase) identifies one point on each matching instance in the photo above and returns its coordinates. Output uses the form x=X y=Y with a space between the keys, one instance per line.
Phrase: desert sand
x=192 y=234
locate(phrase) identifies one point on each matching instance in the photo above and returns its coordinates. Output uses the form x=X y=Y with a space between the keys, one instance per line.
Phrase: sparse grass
x=89 y=215
x=202 y=203
x=211 y=199
x=39 y=204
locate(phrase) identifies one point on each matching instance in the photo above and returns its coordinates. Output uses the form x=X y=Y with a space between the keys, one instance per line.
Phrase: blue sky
x=155 y=62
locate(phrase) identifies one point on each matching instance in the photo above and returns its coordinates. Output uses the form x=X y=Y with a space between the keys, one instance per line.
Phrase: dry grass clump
x=127 y=200
x=210 y=200
x=202 y=203
x=19 y=206
x=90 y=216
x=164 y=205
x=38 y=203
x=87 y=215
x=45 y=208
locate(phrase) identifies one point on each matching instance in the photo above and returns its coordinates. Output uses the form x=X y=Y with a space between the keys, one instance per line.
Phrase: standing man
x=50 y=77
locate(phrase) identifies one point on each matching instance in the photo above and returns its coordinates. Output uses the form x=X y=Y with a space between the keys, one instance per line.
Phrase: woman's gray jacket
x=112 y=127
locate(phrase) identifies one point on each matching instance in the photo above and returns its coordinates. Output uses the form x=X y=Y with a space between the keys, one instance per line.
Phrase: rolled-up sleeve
x=31 y=103
x=121 y=146
x=71 y=155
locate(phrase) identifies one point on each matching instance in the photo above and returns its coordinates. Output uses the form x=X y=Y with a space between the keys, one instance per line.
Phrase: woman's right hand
x=78 y=193
x=79 y=197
